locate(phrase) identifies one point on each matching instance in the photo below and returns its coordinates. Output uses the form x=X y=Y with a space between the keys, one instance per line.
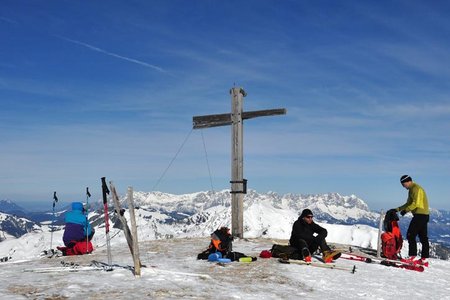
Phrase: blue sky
x=109 y=88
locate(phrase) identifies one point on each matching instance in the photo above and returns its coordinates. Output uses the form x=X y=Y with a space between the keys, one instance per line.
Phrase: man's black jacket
x=305 y=231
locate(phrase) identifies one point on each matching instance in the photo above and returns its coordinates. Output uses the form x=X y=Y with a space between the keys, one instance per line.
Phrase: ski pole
x=87 y=217
x=55 y=199
x=105 y=191
x=379 y=234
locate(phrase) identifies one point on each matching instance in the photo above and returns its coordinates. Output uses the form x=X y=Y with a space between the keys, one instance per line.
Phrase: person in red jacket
x=307 y=237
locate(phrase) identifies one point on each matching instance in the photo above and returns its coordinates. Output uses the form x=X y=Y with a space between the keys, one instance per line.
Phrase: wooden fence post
x=136 y=260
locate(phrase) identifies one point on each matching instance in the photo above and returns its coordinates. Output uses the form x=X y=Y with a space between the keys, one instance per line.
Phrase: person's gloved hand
x=391 y=210
x=403 y=212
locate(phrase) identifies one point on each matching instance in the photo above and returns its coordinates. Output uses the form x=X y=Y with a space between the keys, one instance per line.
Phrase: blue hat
x=77 y=206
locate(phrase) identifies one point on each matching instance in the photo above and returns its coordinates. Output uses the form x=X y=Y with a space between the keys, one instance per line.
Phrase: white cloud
x=154 y=67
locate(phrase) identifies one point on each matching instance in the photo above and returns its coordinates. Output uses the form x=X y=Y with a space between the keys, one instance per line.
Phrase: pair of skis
x=102 y=266
x=383 y=261
x=317 y=264
x=69 y=267
x=356 y=257
x=130 y=236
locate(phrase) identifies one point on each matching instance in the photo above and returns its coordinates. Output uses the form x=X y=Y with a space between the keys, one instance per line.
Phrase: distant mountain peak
x=8 y=206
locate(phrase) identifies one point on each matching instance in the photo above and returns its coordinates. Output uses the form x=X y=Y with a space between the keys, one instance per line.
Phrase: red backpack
x=391 y=239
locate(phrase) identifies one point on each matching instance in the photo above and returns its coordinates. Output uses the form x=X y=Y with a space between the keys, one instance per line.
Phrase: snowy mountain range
x=161 y=215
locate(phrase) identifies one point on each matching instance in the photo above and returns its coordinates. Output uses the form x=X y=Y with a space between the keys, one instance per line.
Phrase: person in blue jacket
x=77 y=227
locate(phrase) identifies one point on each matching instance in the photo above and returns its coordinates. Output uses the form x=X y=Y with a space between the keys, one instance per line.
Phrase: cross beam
x=225 y=119
x=238 y=183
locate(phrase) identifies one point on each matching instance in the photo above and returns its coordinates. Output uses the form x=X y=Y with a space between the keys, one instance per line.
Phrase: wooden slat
x=126 y=229
x=136 y=259
x=263 y=113
x=211 y=121
x=208 y=121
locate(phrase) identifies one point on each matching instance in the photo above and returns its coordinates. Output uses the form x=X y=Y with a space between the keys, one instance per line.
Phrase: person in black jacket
x=308 y=236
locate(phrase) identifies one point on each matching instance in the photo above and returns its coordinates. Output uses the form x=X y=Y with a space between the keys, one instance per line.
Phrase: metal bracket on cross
x=244 y=186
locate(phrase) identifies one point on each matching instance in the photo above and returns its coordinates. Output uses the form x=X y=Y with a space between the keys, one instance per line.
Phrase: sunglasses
x=309 y=217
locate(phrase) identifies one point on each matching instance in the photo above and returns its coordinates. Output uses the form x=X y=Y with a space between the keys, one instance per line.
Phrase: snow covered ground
x=174 y=272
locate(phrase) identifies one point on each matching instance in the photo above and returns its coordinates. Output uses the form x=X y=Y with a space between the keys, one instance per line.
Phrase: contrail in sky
x=113 y=54
x=8 y=20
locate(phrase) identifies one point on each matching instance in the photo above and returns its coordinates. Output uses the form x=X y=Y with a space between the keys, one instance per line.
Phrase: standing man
x=417 y=204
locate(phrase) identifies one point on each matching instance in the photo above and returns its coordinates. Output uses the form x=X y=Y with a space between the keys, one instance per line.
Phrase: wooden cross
x=238 y=183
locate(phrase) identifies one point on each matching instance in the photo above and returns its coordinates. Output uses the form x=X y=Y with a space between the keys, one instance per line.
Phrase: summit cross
x=235 y=119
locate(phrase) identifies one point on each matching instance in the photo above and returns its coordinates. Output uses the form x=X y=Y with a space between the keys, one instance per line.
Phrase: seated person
x=78 y=232
x=307 y=236
x=221 y=241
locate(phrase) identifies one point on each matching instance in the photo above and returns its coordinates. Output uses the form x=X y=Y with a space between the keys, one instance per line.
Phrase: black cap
x=405 y=178
x=306 y=212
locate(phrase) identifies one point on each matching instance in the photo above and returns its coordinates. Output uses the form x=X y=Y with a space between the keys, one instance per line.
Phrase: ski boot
x=329 y=255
